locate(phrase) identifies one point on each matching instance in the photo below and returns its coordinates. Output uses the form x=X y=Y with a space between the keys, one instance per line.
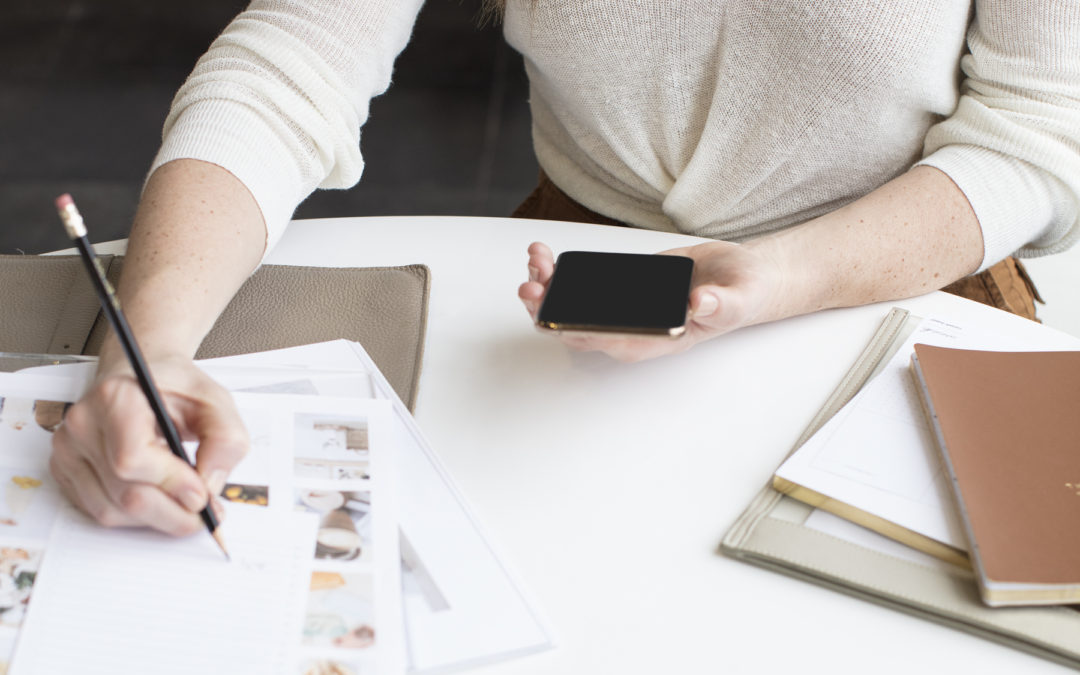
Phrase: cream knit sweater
x=720 y=118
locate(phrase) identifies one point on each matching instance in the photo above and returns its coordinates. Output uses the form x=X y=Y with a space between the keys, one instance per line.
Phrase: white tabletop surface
x=608 y=486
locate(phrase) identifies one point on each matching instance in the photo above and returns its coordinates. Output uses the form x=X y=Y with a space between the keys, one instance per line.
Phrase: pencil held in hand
x=76 y=230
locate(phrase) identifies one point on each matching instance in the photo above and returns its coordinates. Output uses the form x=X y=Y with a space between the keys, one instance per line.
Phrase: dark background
x=85 y=86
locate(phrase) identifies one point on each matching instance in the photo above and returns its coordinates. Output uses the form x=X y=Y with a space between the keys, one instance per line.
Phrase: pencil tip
x=216 y=534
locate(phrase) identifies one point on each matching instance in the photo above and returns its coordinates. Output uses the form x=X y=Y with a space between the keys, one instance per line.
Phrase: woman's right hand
x=111 y=460
x=197 y=236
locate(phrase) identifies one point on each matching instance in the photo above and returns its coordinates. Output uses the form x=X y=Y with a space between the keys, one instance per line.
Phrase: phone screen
x=618 y=292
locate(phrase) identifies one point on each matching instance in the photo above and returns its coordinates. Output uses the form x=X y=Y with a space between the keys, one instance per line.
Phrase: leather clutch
x=49 y=307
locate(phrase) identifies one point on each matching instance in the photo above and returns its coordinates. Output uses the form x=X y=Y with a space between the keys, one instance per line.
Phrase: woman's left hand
x=733 y=286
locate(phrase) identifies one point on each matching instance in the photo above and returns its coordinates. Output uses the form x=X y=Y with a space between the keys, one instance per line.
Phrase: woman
x=840 y=152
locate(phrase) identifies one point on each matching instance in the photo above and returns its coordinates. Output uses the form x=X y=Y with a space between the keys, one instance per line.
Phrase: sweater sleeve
x=1013 y=143
x=279 y=98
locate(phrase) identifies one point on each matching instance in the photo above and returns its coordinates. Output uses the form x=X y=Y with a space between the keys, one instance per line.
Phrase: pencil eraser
x=73 y=222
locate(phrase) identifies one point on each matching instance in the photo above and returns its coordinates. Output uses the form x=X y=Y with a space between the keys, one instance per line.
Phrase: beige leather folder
x=48 y=306
x=770 y=533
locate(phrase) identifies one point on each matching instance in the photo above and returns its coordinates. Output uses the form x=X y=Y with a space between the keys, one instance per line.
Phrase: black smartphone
x=618 y=293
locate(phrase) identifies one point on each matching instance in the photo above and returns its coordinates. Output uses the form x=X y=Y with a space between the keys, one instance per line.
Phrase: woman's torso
x=733 y=118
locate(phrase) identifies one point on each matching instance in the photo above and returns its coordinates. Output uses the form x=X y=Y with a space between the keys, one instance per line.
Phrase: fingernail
x=707 y=305
x=534 y=273
x=216 y=482
x=192 y=499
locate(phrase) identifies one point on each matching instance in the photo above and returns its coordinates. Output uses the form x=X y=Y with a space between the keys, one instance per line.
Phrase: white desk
x=609 y=486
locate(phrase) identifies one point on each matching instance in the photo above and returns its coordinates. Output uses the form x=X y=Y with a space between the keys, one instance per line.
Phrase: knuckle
x=133 y=500
x=111 y=386
x=237 y=444
x=126 y=463
x=103 y=513
x=210 y=391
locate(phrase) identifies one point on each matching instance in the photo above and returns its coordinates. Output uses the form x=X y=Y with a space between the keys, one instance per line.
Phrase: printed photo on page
x=341 y=472
x=462 y=602
x=30 y=411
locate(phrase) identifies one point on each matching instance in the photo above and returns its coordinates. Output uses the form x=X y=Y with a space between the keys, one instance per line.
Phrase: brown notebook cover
x=1008 y=427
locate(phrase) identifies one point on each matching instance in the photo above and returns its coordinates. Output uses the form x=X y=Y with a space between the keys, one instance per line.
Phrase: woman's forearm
x=915 y=234
x=197 y=236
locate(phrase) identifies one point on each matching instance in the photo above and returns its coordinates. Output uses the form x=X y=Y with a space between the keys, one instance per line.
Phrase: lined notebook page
x=134 y=601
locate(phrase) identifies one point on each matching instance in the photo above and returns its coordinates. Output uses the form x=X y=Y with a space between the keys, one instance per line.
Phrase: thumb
x=713 y=307
x=703 y=303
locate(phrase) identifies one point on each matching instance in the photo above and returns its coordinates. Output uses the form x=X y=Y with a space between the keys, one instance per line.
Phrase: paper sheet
x=462 y=604
x=29 y=498
x=341 y=469
x=134 y=601
x=329 y=597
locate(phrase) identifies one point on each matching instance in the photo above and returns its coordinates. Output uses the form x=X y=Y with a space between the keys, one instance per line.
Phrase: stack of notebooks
x=941 y=478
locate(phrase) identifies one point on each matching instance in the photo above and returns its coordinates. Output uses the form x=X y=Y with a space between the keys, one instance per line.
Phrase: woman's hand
x=733 y=286
x=197 y=236
x=111 y=461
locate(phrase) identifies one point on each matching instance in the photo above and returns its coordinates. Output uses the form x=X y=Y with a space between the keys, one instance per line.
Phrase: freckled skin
x=886 y=245
x=899 y=248
x=198 y=235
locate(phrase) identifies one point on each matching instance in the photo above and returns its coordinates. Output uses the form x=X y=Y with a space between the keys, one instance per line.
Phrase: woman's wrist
x=913 y=235
x=113 y=361
x=793 y=288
